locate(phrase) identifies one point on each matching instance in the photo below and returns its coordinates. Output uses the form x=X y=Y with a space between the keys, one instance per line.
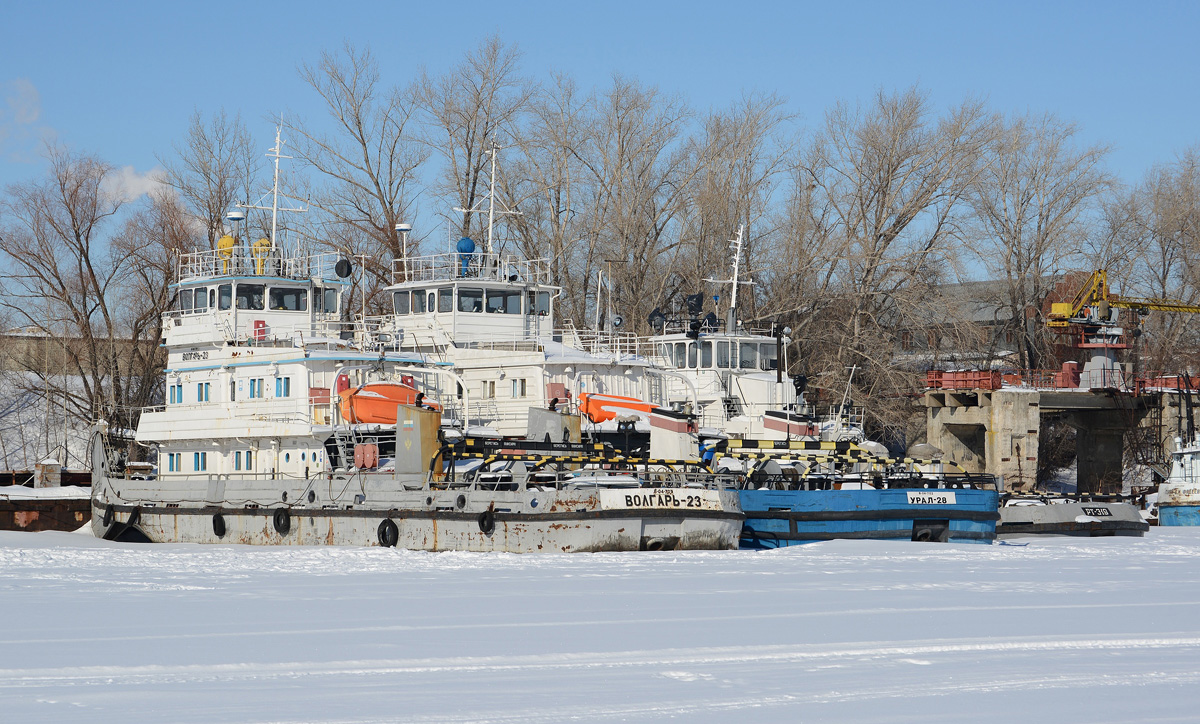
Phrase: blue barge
x=777 y=518
x=800 y=491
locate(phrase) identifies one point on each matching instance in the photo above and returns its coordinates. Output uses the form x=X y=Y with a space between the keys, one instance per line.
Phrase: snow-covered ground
x=1061 y=630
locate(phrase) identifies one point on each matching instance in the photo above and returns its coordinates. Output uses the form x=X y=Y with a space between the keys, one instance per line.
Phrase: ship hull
x=427 y=520
x=777 y=518
x=1179 y=514
x=1072 y=518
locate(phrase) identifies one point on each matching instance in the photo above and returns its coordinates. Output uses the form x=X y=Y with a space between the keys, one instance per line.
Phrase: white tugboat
x=1179 y=494
x=285 y=425
x=493 y=316
x=737 y=375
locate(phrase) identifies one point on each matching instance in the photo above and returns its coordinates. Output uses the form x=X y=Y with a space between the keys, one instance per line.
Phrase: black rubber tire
x=389 y=534
x=109 y=514
x=487 y=522
x=219 y=525
x=283 y=521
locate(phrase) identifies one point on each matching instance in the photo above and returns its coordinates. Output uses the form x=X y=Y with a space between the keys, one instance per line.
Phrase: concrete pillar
x=1012 y=444
x=988 y=431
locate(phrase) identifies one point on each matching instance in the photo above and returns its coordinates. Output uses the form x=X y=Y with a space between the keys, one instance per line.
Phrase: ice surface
x=1057 y=630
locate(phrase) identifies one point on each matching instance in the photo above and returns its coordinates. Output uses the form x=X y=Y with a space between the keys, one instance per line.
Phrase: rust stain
x=23 y=518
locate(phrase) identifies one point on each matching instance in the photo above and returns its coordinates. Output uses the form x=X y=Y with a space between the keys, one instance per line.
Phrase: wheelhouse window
x=706 y=355
x=185 y=300
x=250 y=296
x=325 y=300
x=470 y=300
x=723 y=360
x=680 y=358
x=289 y=299
x=400 y=302
x=445 y=300
x=225 y=296
x=768 y=357
x=418 y=301
x=500 y=301
x=692 y=355
x=201 y=304
x=537 y=304
x=749 y=355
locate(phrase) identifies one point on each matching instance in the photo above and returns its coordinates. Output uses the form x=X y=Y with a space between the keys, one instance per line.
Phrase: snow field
x=1060 y=630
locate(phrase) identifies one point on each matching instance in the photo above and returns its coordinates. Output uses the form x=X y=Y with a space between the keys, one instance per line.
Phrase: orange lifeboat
x=600 y=408
x=376 y=401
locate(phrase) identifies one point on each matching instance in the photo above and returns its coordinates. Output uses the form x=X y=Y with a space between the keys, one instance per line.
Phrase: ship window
x=212 y=298
x=519 y=388
x=226 y=296
x=706 y=355
x=283 y=386
x=318 y=299
x=470 y=300
x=418 y=301
x=200 y=461
x=769 y=357
x=331 y=299
x=173 y=462
x=680 y=360
x=250 y=296
x=289 y=299
x=543 y=304
x=749 y=355
x=287 y=457
x=256 y=388
x=400 y=301
x=489 y=389
x=723 y=355
x=185 y=300
x=202 y=389
x=233 y=390
x=691 y=355
x=249 y=461
x=201 y=299
x=237 y=460
x=445 y=300
x=432 y=302
x=502 y=302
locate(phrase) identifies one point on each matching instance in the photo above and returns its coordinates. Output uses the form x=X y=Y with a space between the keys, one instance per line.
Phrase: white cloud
x=23 y=102
x=129 y=185
x=22 y=135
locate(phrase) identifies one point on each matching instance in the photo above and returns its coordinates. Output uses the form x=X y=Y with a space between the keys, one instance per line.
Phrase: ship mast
x=274 y=153
x=488 y=245
x=735 y=244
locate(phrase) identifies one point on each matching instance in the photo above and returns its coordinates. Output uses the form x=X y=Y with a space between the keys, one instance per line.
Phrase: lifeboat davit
x=376 y=401
x=600 y=408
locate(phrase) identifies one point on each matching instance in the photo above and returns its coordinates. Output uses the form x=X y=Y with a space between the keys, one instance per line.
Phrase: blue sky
x=121 y=80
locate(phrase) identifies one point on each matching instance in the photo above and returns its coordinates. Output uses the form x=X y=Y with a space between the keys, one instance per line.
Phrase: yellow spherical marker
x=261 y=249
x=225 y=249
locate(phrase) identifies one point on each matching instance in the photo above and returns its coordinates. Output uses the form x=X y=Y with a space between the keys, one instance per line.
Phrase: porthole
x=287 y=457
x=302 y=458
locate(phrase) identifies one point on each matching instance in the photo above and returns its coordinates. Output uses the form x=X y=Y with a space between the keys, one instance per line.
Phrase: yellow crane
x=1095 y=294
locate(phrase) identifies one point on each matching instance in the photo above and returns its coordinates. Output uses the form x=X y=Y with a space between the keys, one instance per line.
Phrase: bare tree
x=215 y=168
x=874 y=214
x=1031 y=205
x=82 y=289
x=1157 y=226
x=367 y=164
x=473 y=105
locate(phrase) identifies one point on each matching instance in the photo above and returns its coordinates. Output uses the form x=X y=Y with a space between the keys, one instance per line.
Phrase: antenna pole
x=492 y=199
